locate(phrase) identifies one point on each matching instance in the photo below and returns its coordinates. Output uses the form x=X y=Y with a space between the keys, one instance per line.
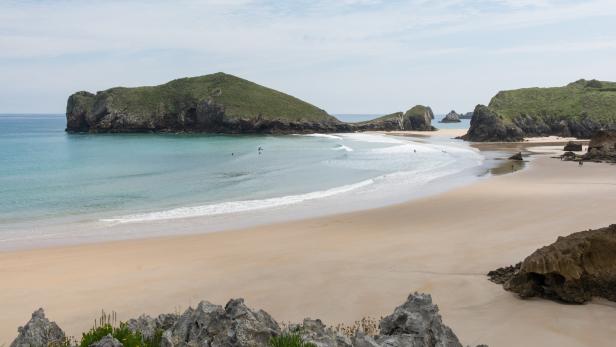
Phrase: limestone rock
x=451 y=117
x=211 y=325
x=39 y=332
x=573 y=269
x=416 y=323
x=107 y=341
x=572 y=147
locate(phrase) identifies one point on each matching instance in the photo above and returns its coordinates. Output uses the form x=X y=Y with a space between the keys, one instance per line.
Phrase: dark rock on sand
x=39 y=332
x=573 y=269
x=602 y=146
x=572 y=147
x=503 y=274
x=416 y=323
x=517 y=156
x=451 y=117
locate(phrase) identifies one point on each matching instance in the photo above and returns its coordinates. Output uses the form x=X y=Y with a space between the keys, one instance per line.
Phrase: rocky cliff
x=217 y=103
x=417 y=118
x=578 y=109
x=573 y=269
x=416 y=323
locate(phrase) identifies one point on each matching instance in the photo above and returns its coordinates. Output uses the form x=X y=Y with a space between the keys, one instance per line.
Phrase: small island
x=217 y=103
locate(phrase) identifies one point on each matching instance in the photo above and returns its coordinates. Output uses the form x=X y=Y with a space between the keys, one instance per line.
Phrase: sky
x=345 y=56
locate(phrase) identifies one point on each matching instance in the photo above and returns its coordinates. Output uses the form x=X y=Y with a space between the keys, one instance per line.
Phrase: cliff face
x=578 y=109
x=573 y=269
x=212 y=103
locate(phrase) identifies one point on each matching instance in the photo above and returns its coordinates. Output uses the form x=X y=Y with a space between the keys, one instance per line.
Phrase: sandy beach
x=344 y=267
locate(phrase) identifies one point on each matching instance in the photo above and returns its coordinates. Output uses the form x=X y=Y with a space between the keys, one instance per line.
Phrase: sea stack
x=451 y=117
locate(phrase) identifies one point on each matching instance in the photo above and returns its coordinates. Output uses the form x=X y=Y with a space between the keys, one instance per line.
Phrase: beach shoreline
x=343 y=267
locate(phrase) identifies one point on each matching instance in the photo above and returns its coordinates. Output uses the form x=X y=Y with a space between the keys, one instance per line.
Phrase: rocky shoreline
x=415 y=323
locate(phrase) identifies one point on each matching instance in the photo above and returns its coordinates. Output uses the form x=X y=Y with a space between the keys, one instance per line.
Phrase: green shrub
x=106 y=326
x=289 y=340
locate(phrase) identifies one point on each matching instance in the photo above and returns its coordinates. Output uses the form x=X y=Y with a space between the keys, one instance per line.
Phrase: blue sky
x=347 y=56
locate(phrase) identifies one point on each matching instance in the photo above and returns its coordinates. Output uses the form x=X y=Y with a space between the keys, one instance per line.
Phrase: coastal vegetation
x=578 y=109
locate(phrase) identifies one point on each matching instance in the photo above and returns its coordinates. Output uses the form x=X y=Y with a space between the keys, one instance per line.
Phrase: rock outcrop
x=451 y=117
x=517 y=156
x=573 y=269
x=416 y=323
x=39 y=332
x=418 y=117
x=579 y=109
x=602 y=146
x=487 y=126
x=467 y=115
x=572 y=147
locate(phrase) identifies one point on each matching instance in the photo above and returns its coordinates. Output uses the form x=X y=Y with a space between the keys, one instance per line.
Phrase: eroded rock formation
x=39 y=332
x=573 y=269
x=416 y=323
x=451 y=117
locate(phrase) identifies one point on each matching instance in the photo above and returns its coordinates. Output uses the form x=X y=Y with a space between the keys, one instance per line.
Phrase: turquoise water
x=49 y=177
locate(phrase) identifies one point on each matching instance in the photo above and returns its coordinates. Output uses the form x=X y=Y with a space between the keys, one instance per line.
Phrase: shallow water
x=51 y=178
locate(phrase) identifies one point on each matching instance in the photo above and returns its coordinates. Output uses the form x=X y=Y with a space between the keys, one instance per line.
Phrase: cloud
x=66 y=45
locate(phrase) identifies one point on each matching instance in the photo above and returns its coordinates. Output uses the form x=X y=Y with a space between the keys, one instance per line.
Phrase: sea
x=61 y=188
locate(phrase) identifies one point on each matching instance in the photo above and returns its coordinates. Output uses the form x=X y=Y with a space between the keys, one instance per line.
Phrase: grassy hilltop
x=577 y=109
x=218 y=102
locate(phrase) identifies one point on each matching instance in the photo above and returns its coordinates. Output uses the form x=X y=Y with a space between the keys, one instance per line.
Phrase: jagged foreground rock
x=39 y=331
x=573 y=269
x=416 y=323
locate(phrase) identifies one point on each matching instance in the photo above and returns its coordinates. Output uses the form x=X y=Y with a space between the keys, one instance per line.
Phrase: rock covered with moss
x=578 y=109
x=573 y=269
